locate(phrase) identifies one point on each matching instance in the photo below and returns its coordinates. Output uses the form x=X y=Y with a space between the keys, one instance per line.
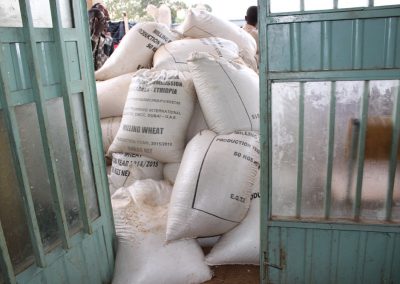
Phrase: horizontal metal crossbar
x=336 y=75
x=10 y=35
x=339 y=224
x=333 y=15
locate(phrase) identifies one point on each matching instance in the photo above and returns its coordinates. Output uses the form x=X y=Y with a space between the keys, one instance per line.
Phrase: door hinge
x=282 y=260
x=266 y=263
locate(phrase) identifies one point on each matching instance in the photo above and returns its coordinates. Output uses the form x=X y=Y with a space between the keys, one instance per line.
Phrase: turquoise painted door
x=330 y=99
x=55 y=215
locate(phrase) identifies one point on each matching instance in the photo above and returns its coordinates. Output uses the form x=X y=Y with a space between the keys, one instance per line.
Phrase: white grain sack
x=197 y=122
x=111 y=95
x=200 y=24
x=156 y=115
x=212 y=190
x=127 y=167
x=170 y=171
x=109 y=128
x=140 y=214
x=136 y=50
x=208 y=242
x=173 y=55
x=241 y=245
x=228 y=93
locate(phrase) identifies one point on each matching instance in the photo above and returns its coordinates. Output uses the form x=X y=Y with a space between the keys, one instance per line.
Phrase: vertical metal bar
x=308 y=255
x=38 y=93
x=361 y=151
x=265 y=141
x=21 y=72
x=20 y=166
x=326 y=45
x=358 y=29
x=370 y=3
x=5 y=261
x=335 y=4
x=355 y=133
x=267 y=11
x=87 y=74
x=390 y=42
x=295 y=54
x=361 y=257
x=301 y=5
x=269 y=145
x=300 y=152
x=95 y=136
x=334 y=256
x=389 y=253
x=393 y=157
x=69 y=114
x=92 y=112
x=331 y=147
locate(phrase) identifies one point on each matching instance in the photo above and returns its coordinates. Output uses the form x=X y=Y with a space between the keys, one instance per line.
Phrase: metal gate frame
x=95 y=235
x=275 y=262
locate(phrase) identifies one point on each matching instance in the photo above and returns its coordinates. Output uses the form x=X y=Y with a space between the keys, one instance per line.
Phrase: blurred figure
x=161 y=14
x=200 y=7
x=102 y=44
x=164 y=15
x=251 y=23
x=103 y=9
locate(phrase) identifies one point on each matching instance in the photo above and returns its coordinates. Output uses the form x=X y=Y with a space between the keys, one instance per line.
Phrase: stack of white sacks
x=184 y=141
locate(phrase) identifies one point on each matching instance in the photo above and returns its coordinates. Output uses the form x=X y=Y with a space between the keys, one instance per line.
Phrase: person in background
x=103 y=9
x=102 y=45
x=251 y=23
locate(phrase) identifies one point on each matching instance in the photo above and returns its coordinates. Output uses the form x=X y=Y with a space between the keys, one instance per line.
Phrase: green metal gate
x=330 y=101
x=56 y=220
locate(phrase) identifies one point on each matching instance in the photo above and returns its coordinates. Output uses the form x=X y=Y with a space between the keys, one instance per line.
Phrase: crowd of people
x=103 y=43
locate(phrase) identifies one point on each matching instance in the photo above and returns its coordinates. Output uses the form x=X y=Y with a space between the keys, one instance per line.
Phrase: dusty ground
x=235 y=274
